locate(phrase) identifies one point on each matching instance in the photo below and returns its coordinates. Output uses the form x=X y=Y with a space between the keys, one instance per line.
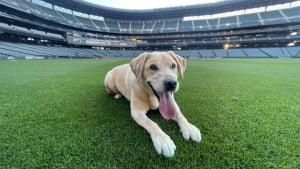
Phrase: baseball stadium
x=240 y=87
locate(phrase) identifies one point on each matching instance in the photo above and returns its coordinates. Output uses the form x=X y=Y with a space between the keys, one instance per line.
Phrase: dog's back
x=115 y=82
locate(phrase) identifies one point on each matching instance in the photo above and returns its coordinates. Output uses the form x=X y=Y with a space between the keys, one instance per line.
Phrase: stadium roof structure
x=163 y=13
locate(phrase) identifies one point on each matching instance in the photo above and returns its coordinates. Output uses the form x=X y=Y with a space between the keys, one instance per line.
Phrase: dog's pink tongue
x=167 y=106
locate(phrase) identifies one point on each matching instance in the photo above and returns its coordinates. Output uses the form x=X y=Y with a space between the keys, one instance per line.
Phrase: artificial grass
x=57 y=114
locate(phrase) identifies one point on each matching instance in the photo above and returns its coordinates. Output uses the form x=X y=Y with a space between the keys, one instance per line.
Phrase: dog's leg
x=161 y=141
x=188 y=130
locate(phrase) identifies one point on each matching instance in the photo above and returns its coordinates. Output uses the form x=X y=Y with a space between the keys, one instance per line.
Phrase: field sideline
x=57 y=114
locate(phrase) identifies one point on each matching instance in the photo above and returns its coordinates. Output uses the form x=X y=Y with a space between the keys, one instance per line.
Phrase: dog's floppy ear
x=181 y=62
x=137 y=65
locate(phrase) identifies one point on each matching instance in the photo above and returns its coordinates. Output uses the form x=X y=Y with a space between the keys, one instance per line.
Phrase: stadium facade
x=75 y=28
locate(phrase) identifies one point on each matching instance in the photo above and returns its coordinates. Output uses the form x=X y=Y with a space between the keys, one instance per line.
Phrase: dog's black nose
x=170 y=85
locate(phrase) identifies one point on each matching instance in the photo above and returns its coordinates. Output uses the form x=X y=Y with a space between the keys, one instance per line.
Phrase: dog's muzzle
x=167 y=104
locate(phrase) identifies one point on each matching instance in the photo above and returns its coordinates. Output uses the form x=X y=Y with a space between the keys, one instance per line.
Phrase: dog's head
x=159 y=70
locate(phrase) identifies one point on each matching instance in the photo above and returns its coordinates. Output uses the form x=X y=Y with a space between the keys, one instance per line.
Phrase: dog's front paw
x=163 y=145
x=191 y=132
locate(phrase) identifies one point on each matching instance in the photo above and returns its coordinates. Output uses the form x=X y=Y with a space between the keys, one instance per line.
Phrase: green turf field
x=57 y=114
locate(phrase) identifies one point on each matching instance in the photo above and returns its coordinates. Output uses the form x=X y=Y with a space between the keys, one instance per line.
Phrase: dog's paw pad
x=164 y=145
x=191 y=132
x=118 y=96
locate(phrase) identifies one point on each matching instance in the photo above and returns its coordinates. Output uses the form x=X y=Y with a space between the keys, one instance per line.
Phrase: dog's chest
x=154 y=104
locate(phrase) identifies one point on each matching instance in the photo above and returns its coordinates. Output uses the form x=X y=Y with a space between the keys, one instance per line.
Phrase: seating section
x=31 y=32
x=158 y=27
x=272 y=17
x=249 y=20
x=161 y=26
x=185 y=26
x=207 y=53
x=294 y=51
x=236 y=53
x=255 y=52
x=228 y=22
x=26 y=51
x=22 y=51
x=278 y=52
x=292 y=14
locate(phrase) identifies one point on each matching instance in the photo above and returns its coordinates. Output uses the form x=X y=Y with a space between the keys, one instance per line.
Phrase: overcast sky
x=148 y=4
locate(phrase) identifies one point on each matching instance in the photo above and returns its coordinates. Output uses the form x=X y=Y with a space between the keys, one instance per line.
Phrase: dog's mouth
x=167 y=105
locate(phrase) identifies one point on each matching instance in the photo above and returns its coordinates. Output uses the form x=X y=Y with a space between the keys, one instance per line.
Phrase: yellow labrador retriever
x=149 y=82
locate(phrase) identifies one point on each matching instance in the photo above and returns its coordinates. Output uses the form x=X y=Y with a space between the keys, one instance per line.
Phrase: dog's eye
x=153 y=67
x=173 y=66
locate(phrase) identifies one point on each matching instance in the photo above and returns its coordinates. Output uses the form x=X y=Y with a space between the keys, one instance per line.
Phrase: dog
x=149 y=82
